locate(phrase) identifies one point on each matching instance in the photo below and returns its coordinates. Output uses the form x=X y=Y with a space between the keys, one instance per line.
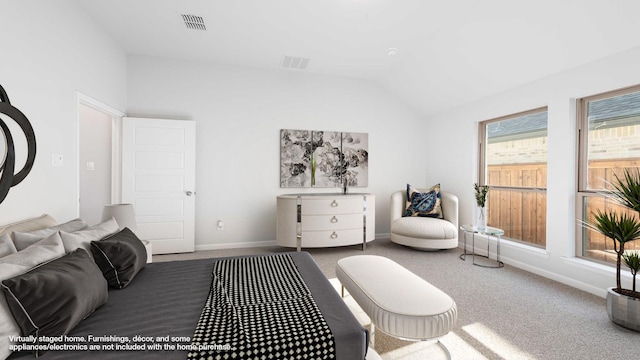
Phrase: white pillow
x=19 y=263
x=83 y=238
x=6 y=246
x=23 y=240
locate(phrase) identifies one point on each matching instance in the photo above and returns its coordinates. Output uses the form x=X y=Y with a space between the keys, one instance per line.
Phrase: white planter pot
x=623 y=310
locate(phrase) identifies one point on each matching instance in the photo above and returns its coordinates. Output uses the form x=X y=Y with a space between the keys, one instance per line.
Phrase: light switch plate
x=57 y=160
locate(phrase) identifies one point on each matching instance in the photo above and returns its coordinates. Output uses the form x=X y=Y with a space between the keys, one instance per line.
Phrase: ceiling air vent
x=294 y=62
x=193 y=22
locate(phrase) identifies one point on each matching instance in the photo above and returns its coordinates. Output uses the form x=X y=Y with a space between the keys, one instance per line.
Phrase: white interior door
x=158 y=178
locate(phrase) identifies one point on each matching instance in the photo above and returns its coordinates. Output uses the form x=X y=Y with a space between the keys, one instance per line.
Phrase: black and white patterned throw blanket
x=260 y=308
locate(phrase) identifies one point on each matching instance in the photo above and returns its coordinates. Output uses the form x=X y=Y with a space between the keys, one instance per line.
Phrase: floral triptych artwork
x=323 y=158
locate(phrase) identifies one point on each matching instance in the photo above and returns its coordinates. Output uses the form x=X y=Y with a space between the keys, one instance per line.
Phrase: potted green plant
x=480 y=213
x=623 y=305
x=632 y=260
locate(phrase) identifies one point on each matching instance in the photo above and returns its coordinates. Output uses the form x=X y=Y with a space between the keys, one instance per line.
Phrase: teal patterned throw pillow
x=425 y=204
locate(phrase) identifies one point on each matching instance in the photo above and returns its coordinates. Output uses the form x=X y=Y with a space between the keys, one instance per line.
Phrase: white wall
x=239 y=113
x=50 y=50
x=558 y=92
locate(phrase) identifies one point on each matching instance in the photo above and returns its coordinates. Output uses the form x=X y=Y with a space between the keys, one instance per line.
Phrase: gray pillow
x=120 y=257
x=44 y=250
x=6 y=246
x=21 y=240
x=53 y=298
x=83 y=238
x=27 y=225
x=16 y=264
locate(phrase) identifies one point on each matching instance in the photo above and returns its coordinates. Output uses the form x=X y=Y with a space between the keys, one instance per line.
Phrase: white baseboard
x=235 y=245
x=581 y=285
x=531 y=251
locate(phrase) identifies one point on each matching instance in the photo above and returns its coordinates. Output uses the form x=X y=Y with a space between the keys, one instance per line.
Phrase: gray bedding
x=166 y=299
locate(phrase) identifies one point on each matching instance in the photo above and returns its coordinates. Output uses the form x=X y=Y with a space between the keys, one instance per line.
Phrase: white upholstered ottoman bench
x=399 y=302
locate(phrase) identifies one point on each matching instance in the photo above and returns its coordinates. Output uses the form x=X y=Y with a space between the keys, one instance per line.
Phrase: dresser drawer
x=332 y=222
x=331 y=238
x=332 y=205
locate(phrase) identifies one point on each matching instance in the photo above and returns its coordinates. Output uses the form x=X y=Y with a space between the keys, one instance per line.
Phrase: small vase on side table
x=480 y=217
x=480 y=213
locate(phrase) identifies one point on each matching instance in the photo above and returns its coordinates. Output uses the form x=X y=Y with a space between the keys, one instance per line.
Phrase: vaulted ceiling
x=448 y=52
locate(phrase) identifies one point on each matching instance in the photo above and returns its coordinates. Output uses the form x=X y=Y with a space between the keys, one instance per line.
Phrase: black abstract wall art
x=9 y=178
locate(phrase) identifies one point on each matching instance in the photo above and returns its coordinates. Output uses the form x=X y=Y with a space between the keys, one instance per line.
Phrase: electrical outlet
x=220 y=225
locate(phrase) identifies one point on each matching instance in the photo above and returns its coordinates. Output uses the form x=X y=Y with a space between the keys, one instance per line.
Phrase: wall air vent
x=193 y=22
x=294 y=62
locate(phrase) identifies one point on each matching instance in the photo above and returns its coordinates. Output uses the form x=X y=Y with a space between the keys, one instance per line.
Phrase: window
x=513 y=162
x=608 y=142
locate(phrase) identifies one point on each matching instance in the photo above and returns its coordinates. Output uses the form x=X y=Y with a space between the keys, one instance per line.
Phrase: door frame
x=116 y=136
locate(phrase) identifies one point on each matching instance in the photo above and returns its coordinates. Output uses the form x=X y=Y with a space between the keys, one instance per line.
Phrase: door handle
x=189 y=193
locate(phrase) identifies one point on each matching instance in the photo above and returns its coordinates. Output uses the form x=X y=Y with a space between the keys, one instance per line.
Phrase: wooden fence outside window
x=522 y=212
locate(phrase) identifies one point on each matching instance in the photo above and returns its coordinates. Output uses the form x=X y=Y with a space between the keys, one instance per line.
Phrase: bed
x=163 y=306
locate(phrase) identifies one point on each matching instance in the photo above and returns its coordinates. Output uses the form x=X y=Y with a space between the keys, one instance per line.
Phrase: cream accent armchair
x=425 y=233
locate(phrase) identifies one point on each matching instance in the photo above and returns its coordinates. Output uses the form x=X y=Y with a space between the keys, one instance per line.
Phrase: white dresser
x=325 y=220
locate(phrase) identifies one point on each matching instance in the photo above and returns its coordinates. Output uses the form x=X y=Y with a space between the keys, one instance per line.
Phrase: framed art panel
x=295 y=155
x=323 y=159
x=356 y=158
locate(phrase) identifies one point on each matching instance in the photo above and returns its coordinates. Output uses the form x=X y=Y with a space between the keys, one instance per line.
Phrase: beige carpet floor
x=503 y=313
